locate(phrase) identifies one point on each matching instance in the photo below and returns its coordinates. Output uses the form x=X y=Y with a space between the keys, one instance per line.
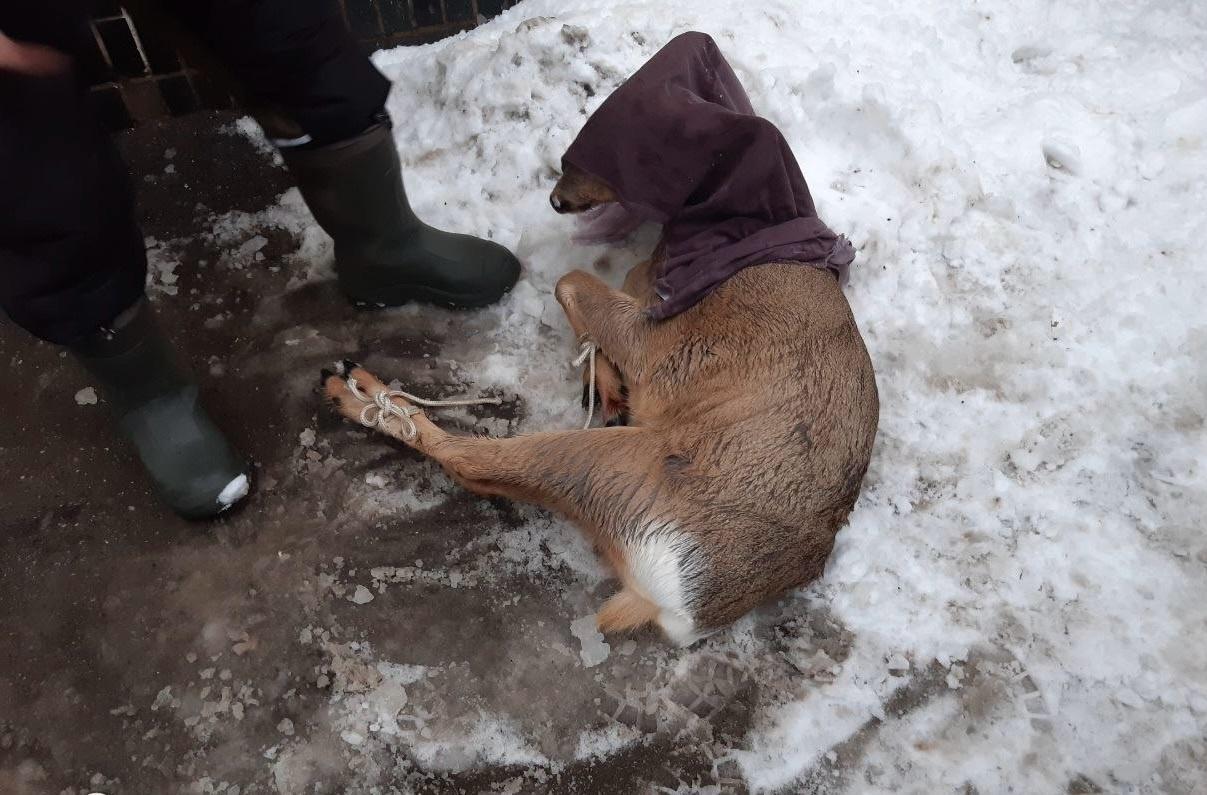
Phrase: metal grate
x=137 y=74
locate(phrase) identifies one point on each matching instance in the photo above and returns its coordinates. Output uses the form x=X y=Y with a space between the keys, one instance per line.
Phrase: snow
x=1021 y=592
x=161 y=268
x=234 y=491
x=246 y=127
x=86 y=396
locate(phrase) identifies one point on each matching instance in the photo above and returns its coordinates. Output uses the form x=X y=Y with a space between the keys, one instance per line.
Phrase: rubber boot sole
x=402 y=294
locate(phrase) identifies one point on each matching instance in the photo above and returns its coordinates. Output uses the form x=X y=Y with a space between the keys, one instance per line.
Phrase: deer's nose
x=556 y=202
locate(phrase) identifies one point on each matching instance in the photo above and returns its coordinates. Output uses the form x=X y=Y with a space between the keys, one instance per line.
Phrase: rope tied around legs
x=586 y=355
x=381 y=406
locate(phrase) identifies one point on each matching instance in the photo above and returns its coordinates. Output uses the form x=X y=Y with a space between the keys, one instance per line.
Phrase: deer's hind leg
x=592 y=476
x=610 y=481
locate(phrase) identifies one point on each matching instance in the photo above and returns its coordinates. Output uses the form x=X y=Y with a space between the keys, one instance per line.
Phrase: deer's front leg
x=610 y=318
x=611 y=394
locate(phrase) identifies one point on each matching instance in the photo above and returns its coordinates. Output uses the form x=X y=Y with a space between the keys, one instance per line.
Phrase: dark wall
x=138 y=73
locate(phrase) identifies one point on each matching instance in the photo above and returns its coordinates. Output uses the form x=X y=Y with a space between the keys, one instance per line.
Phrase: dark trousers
x=71 y=253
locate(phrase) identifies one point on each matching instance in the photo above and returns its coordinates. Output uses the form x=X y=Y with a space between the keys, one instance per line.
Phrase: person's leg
x=296 y=58
x=72 y=271
x=71 y=255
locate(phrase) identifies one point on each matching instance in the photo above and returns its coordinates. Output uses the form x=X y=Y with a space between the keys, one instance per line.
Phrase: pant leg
x=71 y=254
x=295 y=56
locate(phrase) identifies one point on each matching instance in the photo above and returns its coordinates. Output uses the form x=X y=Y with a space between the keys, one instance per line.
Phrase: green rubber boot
x=192 y=465
x=384 y=255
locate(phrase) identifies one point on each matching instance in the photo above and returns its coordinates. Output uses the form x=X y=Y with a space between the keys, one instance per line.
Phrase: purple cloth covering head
x=681 y=145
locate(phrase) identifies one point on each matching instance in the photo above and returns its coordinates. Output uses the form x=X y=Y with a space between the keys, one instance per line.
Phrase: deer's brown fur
x=751 y=422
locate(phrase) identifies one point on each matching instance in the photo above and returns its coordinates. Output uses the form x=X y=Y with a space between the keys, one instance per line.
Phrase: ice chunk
x=594 y=648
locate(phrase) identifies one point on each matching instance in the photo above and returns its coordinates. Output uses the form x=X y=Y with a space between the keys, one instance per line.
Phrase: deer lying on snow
x=751 y=416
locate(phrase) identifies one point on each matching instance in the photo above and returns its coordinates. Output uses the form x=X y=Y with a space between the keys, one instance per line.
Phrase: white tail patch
x=661 y=560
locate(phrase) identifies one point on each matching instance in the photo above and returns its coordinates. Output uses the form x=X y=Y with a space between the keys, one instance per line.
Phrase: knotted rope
x=381 y=406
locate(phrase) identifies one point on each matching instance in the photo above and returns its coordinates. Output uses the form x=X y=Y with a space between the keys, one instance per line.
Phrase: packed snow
x=1021 y=594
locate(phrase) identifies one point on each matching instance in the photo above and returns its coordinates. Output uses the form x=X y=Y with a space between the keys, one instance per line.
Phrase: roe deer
x=751 y=418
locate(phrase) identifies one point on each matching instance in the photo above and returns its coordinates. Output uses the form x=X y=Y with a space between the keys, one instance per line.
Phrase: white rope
x=381 y=406
x=586 y=353
x=384 y=406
